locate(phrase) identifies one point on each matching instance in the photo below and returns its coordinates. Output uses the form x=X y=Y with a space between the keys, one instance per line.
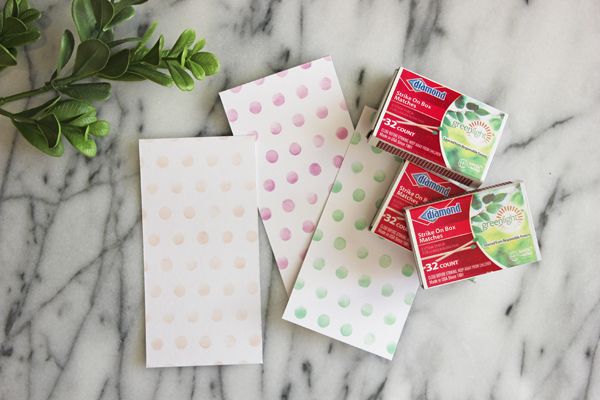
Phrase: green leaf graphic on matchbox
x=468 y=135
x=501 y=227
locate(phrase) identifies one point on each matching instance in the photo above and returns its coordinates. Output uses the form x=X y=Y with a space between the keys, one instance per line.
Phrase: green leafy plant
x=99 y=57
x=16 y=29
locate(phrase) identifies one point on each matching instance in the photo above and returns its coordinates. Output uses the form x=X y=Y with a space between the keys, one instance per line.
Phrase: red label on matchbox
x=413 y=186
x=472 y=234
x=438 y=128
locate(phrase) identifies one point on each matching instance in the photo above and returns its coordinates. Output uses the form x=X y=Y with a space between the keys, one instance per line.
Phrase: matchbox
x=438 y=128
x=413 y=186
x=472 y=234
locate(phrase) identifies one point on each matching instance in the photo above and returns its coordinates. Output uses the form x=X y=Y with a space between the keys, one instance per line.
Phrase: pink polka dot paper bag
x=201 y=271
x=301 y=124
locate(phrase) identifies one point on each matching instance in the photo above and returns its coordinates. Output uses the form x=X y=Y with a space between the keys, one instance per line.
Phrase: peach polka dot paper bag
x=200 y=244
x=302 y=128
x=353 y=285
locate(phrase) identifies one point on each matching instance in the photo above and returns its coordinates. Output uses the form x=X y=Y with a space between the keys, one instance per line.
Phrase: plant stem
x=6 y=113
x=24 y=95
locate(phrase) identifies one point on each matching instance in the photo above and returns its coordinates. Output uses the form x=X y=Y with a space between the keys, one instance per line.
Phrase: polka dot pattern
x=301 y=91
x=255 y=107
x=322 y=112
x=201 y=248
x=302 y=129
x=288 y=205
x=355 y=287
x=278 y=99
x=272 y=156
x=308 y=226
x=323 y=320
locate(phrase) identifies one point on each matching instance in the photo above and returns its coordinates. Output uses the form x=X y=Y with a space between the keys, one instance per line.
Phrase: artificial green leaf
x=460 y=102
x=472 y=106
x=92 y=56
x=29 y=16
x=8 y=8
x=183 y=57
x=82 y=142
x=83 y=16
x=84 y=120
x=484 y=216
x=198 y=46
x=496 y=123
x=181 y=78
x=67 y=110
x=460 y=117
x=476 y=229
x=106 y=36
x=451 y=114
x=39 y=110
x=11 y=8
x=127 y=3
x=150 y=73
x=471 y=115
x=67 y=44
x=117 y=65
x=477 y=218
x=99 y=128
x=103 y=12
x=6 y=57
x=20 y=39
x=129 y=77
x=153 y=56
x=195 y=69
x=33 y=135
x=122 y=16
x=97 y=91
x=119 y=42
x=132 y=2
x=138 y=54
x=13 y=25
x=50 y=128
x=481 y=111
x=493 y=208
x=476 y=203
x=145 y=37
x=184 y=41
x=447 y=122
x=208 y=61
x=23 y=6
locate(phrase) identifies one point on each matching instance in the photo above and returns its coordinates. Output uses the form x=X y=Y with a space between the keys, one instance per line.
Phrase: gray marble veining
x=71 y=300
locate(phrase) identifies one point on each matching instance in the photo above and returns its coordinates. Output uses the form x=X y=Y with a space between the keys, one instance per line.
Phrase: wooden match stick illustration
x=465 y=246
x=405 y=121
x=461 y=248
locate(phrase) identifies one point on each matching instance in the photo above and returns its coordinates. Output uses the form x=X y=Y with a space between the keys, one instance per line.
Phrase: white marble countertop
x=71 y=299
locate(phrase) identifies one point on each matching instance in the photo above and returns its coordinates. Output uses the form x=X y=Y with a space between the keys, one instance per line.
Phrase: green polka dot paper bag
x=354 y=286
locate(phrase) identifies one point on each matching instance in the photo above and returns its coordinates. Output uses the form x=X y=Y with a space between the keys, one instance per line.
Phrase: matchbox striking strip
x=438 y=128
x=412 y=186
x=472 y=234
